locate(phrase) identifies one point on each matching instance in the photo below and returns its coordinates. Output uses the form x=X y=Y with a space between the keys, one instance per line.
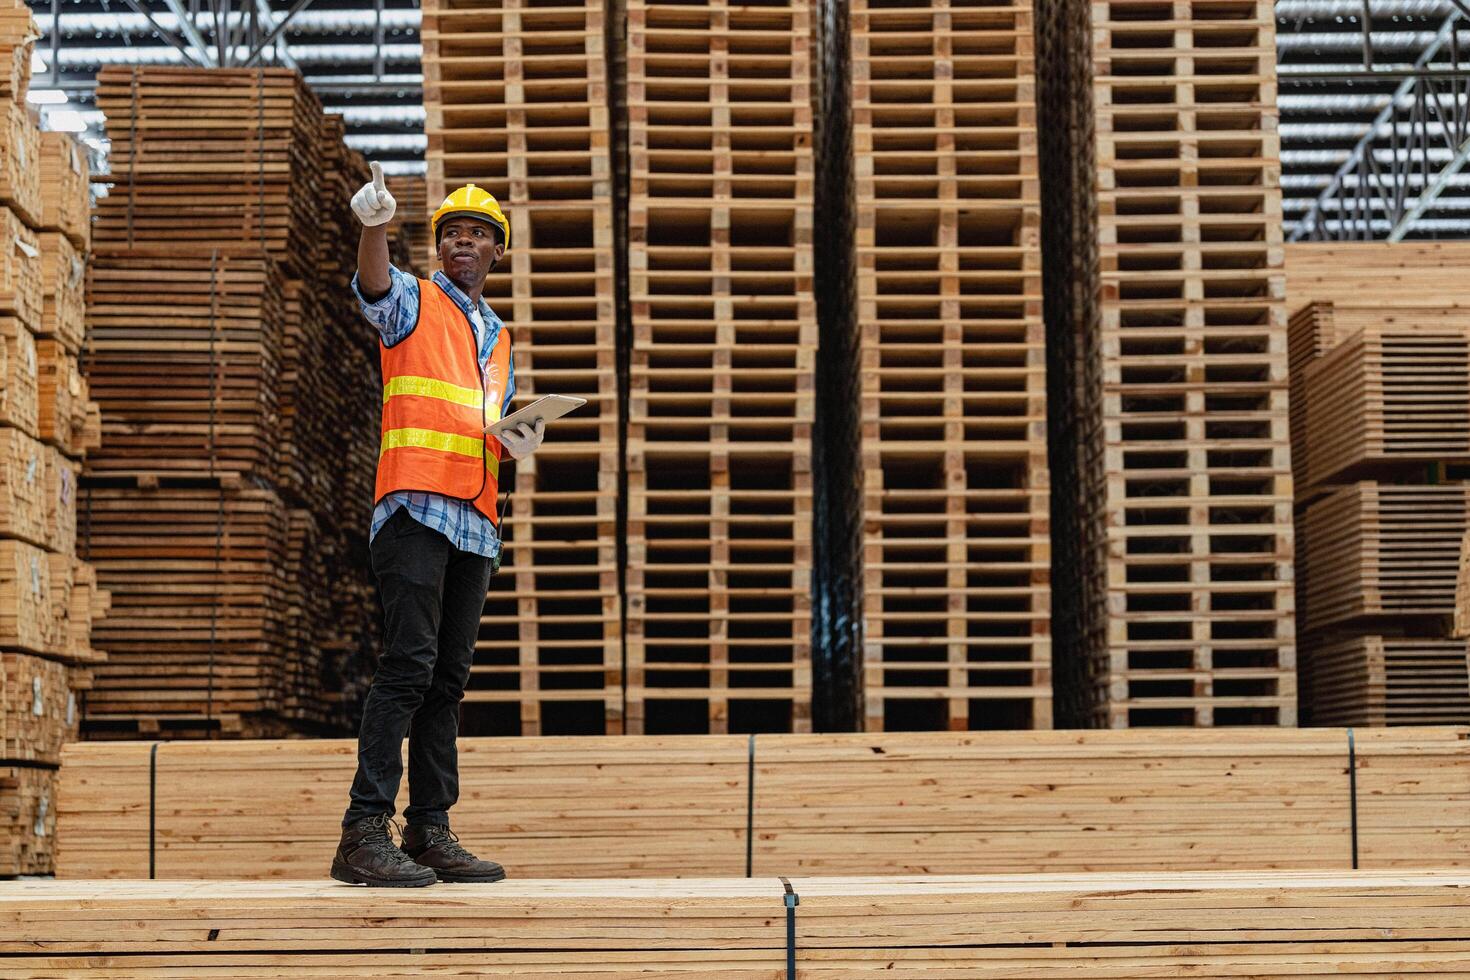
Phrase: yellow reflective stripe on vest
x=407 y=384
x=444 y=442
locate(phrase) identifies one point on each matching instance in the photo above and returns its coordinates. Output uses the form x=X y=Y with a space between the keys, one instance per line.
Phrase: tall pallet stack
x=1380 y=411
x=1176 y=384
x=956 y=491
x=48 y=598
x=228 y=513
x=517 y=102
x=722 y=368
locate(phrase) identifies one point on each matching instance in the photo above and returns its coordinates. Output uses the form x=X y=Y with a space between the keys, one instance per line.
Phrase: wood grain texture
x=881 y=803
x=982 y=927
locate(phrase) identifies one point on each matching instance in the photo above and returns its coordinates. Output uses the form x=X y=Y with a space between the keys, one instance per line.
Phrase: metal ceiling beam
x=275 y=31
x=180 y=43
x=283 y=47
x=190 y=31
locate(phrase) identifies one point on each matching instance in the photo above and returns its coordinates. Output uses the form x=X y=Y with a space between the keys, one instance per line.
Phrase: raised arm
x=374 y=207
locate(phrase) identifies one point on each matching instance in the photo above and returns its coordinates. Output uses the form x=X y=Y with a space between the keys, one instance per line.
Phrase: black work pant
x=433 y=595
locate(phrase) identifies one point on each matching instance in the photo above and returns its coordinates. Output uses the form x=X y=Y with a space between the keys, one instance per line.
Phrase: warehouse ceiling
x=363 y=59
x=1379 y=122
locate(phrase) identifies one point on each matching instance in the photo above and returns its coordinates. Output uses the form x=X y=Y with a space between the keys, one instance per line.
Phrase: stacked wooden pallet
x=957 y=549
x=1181 y=447
x=1380 y=359
x=722 y=367
x=882 y=803
x=48 y=599
x=516 y=97
x=230 y=508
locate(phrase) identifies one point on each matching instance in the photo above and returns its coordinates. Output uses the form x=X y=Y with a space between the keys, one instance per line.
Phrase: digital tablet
x=547 y=407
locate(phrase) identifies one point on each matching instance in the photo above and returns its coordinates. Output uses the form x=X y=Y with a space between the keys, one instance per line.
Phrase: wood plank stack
x=516 y=97
x=1368 y=924
x=230 y=508
x=722 y=371
x=1173 y=404
x=956 y=498
x=880 y=803
x=48 y=599
x=1380 y=358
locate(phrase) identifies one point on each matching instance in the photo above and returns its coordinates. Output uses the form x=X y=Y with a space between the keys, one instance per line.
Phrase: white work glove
x=372 y=204
x=523 y=440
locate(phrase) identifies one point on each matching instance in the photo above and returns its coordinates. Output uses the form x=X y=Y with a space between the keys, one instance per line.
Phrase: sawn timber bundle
x=239 y=386
x=48 y=599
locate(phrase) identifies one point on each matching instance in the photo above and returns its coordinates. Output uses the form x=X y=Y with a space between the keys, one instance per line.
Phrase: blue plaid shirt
x=395 y=316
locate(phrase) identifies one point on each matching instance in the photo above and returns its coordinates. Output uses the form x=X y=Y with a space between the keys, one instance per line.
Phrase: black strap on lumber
x=136 y=108
x=1353 y=793
x=219 y=516
x=792 y=901
x=750 y=808
x=152 y=809
x=260 y=155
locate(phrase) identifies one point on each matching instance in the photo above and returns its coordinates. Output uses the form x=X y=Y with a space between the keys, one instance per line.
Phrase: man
x=447 y=373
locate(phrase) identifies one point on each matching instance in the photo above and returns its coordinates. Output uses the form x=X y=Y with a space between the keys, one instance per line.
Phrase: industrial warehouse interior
x=741 y=489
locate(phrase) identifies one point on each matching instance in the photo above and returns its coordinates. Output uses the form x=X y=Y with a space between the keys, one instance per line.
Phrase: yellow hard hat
x=475 y=202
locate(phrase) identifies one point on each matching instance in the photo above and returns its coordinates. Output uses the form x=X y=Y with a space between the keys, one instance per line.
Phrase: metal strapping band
x=792 y=901
x=750 y=808
x=1353 y=793
x=152 y=809
x=260 y=154
x=133 y=151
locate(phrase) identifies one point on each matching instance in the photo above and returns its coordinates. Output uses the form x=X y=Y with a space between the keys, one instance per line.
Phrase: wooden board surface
x=1039 y=926
x=881 y=803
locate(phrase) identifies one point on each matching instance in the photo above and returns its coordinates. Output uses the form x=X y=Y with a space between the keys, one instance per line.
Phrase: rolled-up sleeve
x=396 y=314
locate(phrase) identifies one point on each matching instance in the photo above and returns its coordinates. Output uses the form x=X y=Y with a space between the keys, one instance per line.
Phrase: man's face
x=468 y=250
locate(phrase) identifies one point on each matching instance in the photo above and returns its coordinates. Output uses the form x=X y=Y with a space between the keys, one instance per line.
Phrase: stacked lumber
x=1369 y=924
x=881 y=803
x=1379 y=348
x=516 y=101
x=66 y=202
x=229 y=508
x=722 y=374
x=48 y=599
x=956 y=492
x=1173 y=417
x=227 y=157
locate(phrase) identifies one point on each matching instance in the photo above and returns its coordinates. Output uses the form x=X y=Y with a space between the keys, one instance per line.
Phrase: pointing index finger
x=377 y=169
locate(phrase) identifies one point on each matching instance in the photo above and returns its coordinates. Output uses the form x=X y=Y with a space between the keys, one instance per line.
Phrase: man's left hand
x=524 y=439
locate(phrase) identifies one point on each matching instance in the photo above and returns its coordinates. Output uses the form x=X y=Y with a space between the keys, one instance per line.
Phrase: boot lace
x=448 y=842
x=379 y=837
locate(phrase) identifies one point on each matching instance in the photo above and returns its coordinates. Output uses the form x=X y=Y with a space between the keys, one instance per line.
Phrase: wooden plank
x=1212 y=925
x=897 y=804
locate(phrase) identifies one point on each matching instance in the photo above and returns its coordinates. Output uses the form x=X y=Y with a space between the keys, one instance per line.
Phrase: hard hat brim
x=477 y=215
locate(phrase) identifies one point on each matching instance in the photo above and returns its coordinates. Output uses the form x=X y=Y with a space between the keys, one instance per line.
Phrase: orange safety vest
x=436 y=403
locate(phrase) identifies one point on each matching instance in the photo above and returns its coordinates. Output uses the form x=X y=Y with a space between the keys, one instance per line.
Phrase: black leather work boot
x=437 y=849
x=367 y=856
